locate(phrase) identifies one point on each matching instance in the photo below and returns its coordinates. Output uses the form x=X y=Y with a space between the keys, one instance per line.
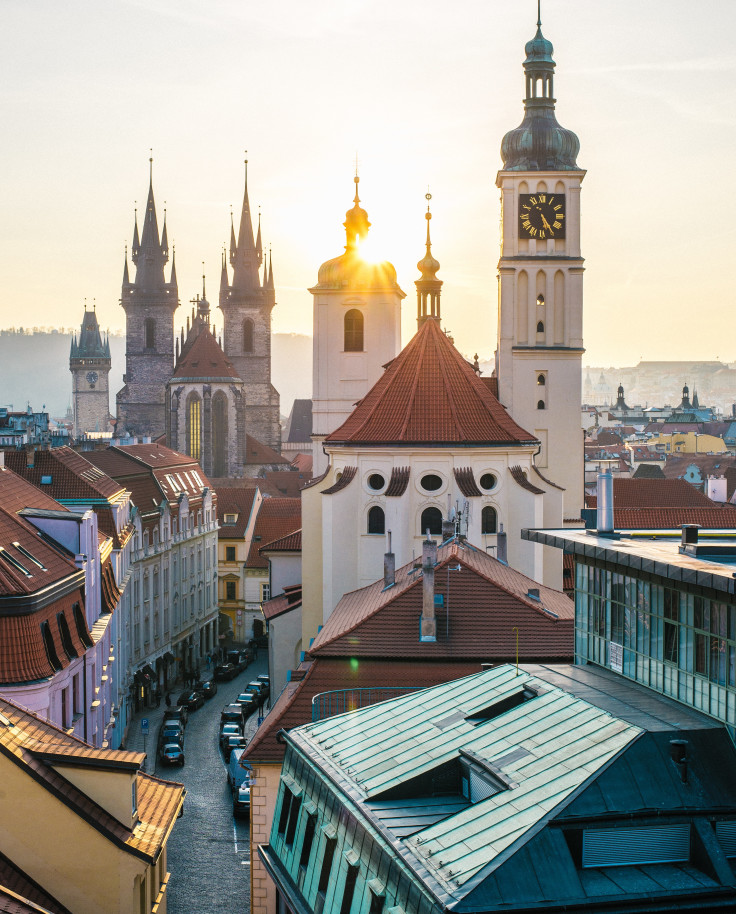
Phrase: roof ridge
x=422 y=347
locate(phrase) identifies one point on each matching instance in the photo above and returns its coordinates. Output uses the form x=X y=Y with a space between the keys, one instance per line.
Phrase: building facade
x=90 y=363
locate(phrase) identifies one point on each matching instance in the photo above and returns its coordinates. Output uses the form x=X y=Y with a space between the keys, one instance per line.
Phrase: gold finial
x=150 y=165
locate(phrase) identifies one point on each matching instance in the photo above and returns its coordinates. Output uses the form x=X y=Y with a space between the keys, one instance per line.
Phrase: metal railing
x=328 y=704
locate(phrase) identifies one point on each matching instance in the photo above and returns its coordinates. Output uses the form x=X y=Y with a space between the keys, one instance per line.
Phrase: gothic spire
x=246 y=259
x=224 y=282
x=126 y=275
x=172 y=281
x=269 y=281
x=136 y=242
x=152 y=253
x=259 y=246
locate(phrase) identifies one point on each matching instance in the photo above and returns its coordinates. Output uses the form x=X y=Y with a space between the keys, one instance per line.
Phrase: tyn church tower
x=246 y=306
x=149 y=302
x=540 y=325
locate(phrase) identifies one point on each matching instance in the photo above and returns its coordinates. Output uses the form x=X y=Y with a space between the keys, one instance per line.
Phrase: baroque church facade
x=414 y=440
x=203 y=395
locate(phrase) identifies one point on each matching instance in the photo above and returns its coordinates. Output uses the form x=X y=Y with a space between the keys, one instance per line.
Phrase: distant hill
x=34 y=368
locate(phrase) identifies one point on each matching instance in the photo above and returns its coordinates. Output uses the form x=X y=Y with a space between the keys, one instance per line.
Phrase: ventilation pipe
x=428 y=630
x=605 y=503
x=389 y=566
x=678 y=754
x=501 y=545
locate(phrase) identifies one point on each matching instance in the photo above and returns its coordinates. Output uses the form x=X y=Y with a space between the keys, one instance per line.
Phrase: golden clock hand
x=546 y=224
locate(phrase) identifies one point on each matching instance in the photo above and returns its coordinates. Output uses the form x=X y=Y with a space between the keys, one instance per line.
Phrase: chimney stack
x=690 y=534
x=448 y=529
x=30 y=456
x=604 y=519
x=428 y=630
x=501 y=546
x=389 y=566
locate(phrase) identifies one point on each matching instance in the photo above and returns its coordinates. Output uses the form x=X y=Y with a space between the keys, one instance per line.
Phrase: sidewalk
x=135 y=740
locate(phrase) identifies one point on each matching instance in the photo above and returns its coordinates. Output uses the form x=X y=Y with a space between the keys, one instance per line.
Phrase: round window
x=431 y=482
x=488 y=481
x=376 y=481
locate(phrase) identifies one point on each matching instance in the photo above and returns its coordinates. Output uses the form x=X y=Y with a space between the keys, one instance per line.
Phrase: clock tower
x=540 y=279
x=89 y=363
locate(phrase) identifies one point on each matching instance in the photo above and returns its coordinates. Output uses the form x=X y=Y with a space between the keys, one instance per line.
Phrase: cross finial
x=150 y=164
x=539 y=14
x=246 y=167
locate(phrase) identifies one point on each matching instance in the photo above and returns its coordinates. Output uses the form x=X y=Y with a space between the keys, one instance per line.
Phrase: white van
x=237 y=774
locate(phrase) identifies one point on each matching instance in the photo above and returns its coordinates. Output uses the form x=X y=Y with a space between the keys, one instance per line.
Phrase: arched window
x=541 y=380
x=540 y=404
x=247 y=336
x=219 y=434
x=149 y=332
x=48 y=643
x=489 y=520
x=376 y=520
x=194 y=426
x=432 y=521
x=540 y=327
x=353 y=331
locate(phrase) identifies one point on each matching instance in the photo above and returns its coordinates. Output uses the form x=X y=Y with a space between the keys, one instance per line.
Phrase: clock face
x=92 y=378
x=542 y=215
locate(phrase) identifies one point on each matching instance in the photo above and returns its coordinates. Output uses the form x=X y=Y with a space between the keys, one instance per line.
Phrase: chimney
x=428 y=630
x=2 y=459
x=605 y=503
x=678 y=754
x=501 y=545
x=448 y=529
x=30 y=456
x=389 y=566
x=690 y=534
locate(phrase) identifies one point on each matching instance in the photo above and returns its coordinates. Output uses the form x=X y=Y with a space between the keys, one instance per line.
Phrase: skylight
x=14 y=563
x=32 y=558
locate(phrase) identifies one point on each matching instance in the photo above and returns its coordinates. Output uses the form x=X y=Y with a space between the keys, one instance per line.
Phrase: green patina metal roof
x=545 y=748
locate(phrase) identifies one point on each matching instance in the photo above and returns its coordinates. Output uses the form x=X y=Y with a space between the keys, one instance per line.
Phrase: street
x=209 y=849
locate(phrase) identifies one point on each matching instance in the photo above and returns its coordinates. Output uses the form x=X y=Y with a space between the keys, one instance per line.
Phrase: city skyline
x=423 y=99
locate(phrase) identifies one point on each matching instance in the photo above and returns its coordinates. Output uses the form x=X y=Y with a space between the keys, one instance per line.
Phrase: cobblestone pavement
x=209 y=852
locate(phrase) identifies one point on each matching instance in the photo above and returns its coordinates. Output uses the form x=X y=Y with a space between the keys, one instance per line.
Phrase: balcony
x=329 y=704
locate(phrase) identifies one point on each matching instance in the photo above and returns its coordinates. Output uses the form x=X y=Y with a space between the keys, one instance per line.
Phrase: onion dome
x=428 y=286
x=539 y=143
x=356 y=221
x=428 y=266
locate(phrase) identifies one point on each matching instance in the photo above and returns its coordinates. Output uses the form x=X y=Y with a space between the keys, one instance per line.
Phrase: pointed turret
x=136 y=241
x=152 y=253
x=269 y=281
x=259 y=245
x=428 y=286
x=126 y=274
x=173 y=281
x=245 y=258
x=224 y=280
x=233 y=242
x=164 y=238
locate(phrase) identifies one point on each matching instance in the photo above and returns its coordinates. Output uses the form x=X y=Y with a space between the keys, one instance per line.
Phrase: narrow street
x=209 y=852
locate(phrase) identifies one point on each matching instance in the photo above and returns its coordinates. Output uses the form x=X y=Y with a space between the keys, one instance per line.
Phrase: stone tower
x=356 y=327
x=540 y=325
x=149 y=302
x=89 y=363
x=246 y=306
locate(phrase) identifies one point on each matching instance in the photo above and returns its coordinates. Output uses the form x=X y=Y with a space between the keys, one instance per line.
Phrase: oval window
x=431 y=482
x=488 y=481
x=376 y=481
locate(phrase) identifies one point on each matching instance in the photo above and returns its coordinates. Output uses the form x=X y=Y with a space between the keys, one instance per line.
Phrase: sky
x=422 y=91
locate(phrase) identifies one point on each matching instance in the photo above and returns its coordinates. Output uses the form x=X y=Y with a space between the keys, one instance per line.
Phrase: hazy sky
x=423 y=90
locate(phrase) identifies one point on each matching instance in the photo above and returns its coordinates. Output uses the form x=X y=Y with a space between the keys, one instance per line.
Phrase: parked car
x=207 y=688
x=262 y=688
x=225 y=672
x=233 y=742
x=171 y=732
x=249 y=700
x=241 y=800
x=190 y=700
x=178 y=713
x=239 y=659
x=228 y=730
x=233 y=714
x=238 y=771
x=171 y=754
x=263 y=677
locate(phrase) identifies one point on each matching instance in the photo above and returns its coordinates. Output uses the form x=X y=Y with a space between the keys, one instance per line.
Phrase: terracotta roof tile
x=20 y=574
x=715 y=518
x=654 y=493
x=71 y=475
x=303 y=463
x=17 y=884
x=259 y=453
x=292 y=542
x=290 y=599
x=276 y=518
x=234 y=501
x=429 y=394
x=520 y=478
x=345 y=477
x=286 y=482
x=485 y=601
x=204 y=359
x=17 y=493
x=398 y=482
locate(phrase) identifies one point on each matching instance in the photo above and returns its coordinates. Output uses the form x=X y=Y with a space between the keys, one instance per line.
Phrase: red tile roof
x=20 y=894
x=259 y=453
x=708 y=464
x=653 y=493
x=429 y=394
x=234 y=501
x=715 y=518
x=204 y=359
x=286 y=482
x=71 y=474
x=294 y=706
x=303 y=463
x=276 y=518
x=290 y=599
x=17 y=493
x=485 y=601
x=292 y=542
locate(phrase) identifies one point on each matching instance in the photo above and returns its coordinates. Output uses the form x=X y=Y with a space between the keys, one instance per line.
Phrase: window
x=230 y=520
x=376 y=482
x=432 y=521
x=309 y=830
x=265 y=592
x=285 y=807
x=353 y=331
x=671 y=619
x=66 y=637
x=194 y=427
x=229 y=553
x=541 y=380
x=293 y=819
x=488 y=481
x=377 y=902
x=81 y=624
x=540 y=404
x=247 y=336
x=376 y=520
x=149 y=333
x=489 y=520
x=48 y=643
x=231 y=590
x=431 y=482
x=347 y=896
x=540 y=327
x=219 y=434
x=324 y=875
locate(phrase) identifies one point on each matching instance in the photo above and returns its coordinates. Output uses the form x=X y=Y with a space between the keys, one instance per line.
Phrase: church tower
x=356 y=327
x=246 y=306
x=89 y=363
x=540 y=326
x=149 y=302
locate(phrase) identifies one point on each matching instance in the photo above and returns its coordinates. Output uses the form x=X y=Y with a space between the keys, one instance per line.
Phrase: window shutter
x=633 y=846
